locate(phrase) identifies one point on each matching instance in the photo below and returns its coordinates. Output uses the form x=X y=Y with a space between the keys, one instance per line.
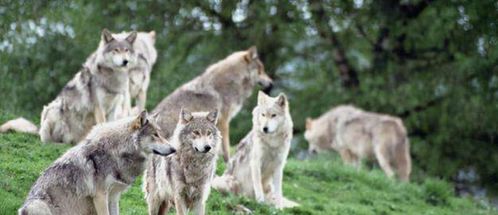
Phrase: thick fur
x=223 y=86
x=139 y=73
x=110 y=66
x=256 y=169
x=19 y=125
x=358 y=135
x=89 y=178
x=69 y=117
x=185 y=178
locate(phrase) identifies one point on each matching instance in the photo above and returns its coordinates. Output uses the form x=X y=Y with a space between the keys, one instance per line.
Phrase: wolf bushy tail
x=19 y=125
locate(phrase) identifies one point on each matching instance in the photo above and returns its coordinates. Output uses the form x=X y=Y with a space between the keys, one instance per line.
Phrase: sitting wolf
x=358 y=135
x=185 y=178
x=90 y=177
x=256 y=170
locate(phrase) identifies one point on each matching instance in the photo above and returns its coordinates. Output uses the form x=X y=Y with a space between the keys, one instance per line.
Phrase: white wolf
x=185 y=178
x=90 y=177
x=256 y=169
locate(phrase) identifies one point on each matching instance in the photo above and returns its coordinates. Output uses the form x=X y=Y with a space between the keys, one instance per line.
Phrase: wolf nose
x=265 y=129
x=125 y=62
x=207 y=148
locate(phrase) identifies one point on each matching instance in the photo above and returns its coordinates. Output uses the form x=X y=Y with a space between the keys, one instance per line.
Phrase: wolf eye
x=209 y=133
x=116 y=50
x=156 y=135
x=126 y=50
x=273 y=115
x=263 y=114
x=197 y=133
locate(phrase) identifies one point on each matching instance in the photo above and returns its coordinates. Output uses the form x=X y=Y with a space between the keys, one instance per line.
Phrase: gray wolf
x=97 y=93
x=110 y=79
x=90 y=177
x=139 y=74
x=224 y=86
x=256 y=169
x=359 y=135
x=184 y=179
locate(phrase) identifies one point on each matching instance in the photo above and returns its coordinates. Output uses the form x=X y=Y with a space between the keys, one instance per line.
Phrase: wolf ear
x=252 y=54
x=140 y=121
x=309 y=122
x=185 y=116
x=107 y=36
x=261 y=97
x=212 y=116
x=153 y=35
x=281 y=100
x=132 y=37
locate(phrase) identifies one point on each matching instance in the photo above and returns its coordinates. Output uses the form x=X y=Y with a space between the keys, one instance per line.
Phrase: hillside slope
x=321 y=185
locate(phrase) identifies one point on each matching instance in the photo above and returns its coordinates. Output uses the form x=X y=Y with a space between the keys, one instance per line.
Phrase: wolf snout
x=265 y=129
x=267 y=87
x=163 y=151
x=207 y=148
x=125 y=63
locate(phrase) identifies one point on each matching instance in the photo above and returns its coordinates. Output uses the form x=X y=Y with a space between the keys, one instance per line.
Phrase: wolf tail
x=225 y=183
x=19 y=125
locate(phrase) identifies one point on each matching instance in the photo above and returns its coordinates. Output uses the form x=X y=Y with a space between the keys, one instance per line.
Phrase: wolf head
x=147 y=137
x=198 y=132
x=271 y=113
x=118 y=53
x=256 y=69
x=317 y=136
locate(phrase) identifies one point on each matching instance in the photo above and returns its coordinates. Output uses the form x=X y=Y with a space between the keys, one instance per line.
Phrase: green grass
x=322 y=185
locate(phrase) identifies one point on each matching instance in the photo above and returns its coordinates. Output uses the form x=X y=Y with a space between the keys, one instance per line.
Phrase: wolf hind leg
x=382 y=155
x=37 y=207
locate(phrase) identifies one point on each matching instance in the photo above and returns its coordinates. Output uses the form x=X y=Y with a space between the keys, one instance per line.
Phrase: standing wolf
x=223 y=86
x=256 y=170
x=359 y=135
x=185 y=178
x=90 y=177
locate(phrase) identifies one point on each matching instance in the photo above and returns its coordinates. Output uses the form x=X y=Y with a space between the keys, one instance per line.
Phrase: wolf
x=224 y=86
x=256 y=169
x=109 y=66
x=90 y=177
x=69 y=117
x=359 y=135
x=95 y=94
x=139 y=74
x=184 y=179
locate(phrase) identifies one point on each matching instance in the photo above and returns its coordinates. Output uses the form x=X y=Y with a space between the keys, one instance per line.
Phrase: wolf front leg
x=142 y=98
x=99 y=114
x=180 y=205
x=223 y=125
x=256 y=180
x=100 y=200
x=199 y=208
x=277 y=185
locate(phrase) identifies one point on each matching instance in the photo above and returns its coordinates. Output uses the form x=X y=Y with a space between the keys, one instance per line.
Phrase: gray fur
x=184 y=179
x=105 y=163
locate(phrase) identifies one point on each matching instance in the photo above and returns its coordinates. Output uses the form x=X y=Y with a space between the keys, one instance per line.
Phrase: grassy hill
x=322 y=185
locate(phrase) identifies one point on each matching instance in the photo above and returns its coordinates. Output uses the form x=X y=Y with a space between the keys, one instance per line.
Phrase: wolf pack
x=101 y=111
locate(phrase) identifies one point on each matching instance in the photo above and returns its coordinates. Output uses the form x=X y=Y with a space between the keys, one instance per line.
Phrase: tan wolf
x=358 y=135
x=185 y=178
x=256 y=169
x=90 y=177
x=223 y=86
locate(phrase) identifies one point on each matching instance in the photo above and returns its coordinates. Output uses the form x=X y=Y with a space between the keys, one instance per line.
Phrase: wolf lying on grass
x=224 y=86
x=359 y=135
x=256 y=170
x=185 y=178
x=90 y=177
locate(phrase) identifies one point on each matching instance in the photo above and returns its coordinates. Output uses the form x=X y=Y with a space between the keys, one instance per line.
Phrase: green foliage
x=322 y=185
